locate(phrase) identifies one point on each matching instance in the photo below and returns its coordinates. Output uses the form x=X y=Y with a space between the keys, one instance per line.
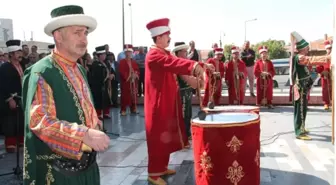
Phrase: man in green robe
x=186 y=84
x=301 y=80
x=62 y=132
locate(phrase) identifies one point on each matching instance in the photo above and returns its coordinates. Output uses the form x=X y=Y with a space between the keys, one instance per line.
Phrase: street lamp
x=130 y=5
x=220 y=38
x=123 y=24
x=245 y=25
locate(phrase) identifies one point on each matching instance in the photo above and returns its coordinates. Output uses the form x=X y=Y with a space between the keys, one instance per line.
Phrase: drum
x=237 y=108
x=227 y=149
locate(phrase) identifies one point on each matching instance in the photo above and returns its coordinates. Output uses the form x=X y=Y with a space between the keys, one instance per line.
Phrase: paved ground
x=284 y=160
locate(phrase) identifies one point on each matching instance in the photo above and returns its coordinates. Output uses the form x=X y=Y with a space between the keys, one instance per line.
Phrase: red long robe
x=165 y=128
x=231 y=69
x=264 y=85
x=219 y=66
x=326 y=83
x=128 y=95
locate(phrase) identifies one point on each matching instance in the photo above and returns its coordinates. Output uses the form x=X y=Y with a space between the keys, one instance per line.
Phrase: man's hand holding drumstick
x=200 y=72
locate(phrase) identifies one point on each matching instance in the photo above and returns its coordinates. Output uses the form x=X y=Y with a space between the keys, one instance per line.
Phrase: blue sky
x=198 y=20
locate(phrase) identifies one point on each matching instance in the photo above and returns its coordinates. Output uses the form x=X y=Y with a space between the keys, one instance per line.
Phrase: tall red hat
x=327 y=44
x=159 y=27
x=234 y=49
x=262 y=49
x=128 y=47
x=219 y=51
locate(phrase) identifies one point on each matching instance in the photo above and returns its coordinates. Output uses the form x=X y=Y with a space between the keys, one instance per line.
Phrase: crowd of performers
x=62 y=106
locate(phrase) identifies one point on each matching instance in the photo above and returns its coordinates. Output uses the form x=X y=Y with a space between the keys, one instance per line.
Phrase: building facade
x=6 y=29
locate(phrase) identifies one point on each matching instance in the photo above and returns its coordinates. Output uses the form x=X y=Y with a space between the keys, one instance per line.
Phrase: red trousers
x=106 y=111
x=157 y=165
x=12 y=141
x=123 y=108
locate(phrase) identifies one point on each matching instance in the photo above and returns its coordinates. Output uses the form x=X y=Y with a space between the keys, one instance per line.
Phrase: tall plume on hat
x=299 y=43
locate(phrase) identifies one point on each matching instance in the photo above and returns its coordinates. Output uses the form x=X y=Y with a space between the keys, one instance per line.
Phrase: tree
x=276 y=48
x=227 y=51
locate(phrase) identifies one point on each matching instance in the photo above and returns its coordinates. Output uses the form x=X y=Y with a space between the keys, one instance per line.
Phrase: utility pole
x=130 y=5
x=123 y=24
x=245 y=25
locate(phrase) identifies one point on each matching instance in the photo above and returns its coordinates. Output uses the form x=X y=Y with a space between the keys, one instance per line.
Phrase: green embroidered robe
x=38 y=157
x=300 y=74
x=186 y=96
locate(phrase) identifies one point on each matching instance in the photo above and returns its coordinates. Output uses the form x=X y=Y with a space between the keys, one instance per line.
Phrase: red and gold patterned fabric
x=62 y=137
x=226 y=151
x=233 y=108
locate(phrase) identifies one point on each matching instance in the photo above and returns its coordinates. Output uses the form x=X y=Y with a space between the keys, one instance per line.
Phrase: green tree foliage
x=227 y=51
x=276 y=48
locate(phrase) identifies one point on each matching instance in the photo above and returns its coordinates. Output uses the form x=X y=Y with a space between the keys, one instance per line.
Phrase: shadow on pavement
x=185 y=176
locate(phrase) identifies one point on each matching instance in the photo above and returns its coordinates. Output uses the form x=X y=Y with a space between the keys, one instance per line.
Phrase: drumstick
x=201 y=114
x=198 y=91
x=212 y=89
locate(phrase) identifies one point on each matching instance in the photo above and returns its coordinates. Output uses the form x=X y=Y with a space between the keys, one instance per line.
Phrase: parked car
x=281 y=67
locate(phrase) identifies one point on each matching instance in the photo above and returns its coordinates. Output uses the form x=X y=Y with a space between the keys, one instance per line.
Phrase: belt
x=74 y=167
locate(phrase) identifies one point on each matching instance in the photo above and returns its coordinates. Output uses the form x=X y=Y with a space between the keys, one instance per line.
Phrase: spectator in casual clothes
x=248 y=56
x=193 y=54
x=94 y=55
x=42 y=55
x=140 y=59
x=211 y=54
x=25 y=55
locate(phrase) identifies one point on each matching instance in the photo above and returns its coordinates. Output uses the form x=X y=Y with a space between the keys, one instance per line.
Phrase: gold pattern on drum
x=257 y=158
x=206 y=163
x=234 y=144
x=235 y=173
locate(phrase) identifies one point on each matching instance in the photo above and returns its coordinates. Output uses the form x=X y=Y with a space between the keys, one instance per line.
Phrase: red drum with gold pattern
x=234 y=108
x=227 y=149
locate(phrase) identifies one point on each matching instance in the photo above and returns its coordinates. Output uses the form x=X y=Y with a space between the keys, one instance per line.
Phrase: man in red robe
x=324 y=71
x=235 y=78
x=213 y=82
x=165 y=128
x=264 y=73
x=129 y=76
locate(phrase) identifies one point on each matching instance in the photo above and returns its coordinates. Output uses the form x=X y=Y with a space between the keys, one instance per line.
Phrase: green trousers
x=300 y=113
x=89 y=177
x=186 y=95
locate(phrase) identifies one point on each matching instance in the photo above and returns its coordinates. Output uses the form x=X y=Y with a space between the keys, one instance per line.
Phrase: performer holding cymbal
x=235 y=78
x=129 y=76
x=264 y=73
x=213 y=82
